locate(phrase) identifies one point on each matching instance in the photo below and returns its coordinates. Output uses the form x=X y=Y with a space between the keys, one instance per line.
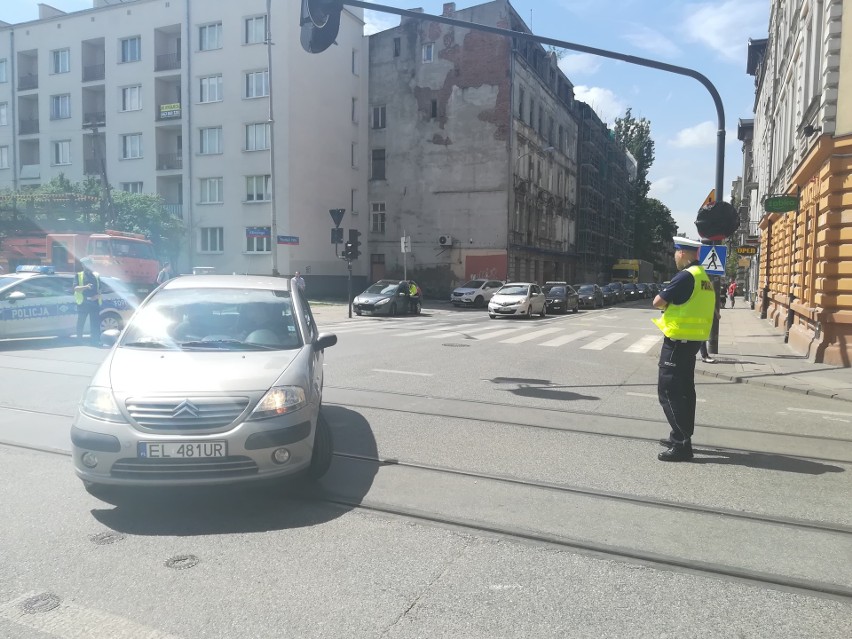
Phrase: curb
x=796 y=389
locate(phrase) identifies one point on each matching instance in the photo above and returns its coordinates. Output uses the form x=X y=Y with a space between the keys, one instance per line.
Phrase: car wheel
x=543 y=310
x=417 y=308
x=479 y=302
x=323 y=449
x=576 y=308
x=110 y=321
x=492 y=316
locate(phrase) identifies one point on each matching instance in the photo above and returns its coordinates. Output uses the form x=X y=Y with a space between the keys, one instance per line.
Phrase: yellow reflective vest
x=693 y=320
x=79 y=298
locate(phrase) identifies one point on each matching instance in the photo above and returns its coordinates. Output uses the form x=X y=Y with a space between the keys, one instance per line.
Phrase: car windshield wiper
x=148 y=342
x=226 y=344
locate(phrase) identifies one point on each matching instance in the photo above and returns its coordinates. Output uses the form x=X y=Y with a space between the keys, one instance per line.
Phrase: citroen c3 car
x=216 y=379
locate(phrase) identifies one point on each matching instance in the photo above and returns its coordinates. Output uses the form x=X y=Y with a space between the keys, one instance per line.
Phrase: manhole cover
x=40 y=603
x=182 y=562
x=106 y=538
x=457 y=345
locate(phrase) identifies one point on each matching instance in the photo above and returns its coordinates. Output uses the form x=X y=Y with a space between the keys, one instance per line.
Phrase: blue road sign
x=713 y=258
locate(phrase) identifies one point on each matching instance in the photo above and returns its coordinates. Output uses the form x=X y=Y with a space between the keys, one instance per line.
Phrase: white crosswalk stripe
x=565 y=339
x=644 y=344
x=603 y=342
x=493 y=334
x=531 y=336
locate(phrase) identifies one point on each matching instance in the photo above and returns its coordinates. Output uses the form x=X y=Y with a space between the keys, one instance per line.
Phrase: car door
x=316 y=357
x=537 y=299
x=37 y=313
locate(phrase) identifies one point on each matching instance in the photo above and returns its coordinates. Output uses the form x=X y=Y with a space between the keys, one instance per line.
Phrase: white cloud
x=662 y=186
x=580 y=64
x=726 y=27
x=375 y=22
x=700 y=135
x=653 y=41
x=605 y=103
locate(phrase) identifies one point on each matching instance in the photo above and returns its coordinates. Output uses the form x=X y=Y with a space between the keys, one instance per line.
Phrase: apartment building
x=212 y=105
x=801 y=145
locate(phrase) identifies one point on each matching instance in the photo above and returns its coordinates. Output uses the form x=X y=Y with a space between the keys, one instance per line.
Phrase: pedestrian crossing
x=550 y=333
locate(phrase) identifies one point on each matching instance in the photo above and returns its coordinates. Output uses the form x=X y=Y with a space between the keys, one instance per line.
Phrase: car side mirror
x=324 y=340
x=110 y=336
x=17 y=296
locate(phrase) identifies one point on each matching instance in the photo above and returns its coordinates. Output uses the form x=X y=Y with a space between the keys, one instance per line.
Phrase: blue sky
x=710 y=37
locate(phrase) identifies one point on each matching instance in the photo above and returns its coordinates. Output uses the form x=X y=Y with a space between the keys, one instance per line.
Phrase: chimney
x=406 y=19
x=449 y=9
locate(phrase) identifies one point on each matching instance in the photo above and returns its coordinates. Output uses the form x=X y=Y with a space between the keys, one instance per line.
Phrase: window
x=131 y=146
x=377 y=168
x=257 y=136
x=397 y=47
x=60 y=152
x=258 y=239
x=4 y=113
x=4 y=157
x=211 y=191
x=255 y=32
x=521 y=104
x=353 y=152
x=210 y=36
x=355 y=110
x=541 y=121
x=211 y=239
x=377 y=218
x=257 y=188
x=131 y=98
x=131 y=49
x=257 y=84
x=3 y=77
x=211 y=88
x=433 y=111
x=131 y=187
x=532 y=111
x=60 y=61
x=379 y=117
x=60 y=106
x=211 y=140
x=354 y=62
x=429 y=52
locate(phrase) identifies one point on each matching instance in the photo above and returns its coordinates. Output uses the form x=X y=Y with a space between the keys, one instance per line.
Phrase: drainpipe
x=189 y=199
x=13 y=78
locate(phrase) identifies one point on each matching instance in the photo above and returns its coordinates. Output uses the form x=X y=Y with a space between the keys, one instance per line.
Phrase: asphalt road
x=493 y=478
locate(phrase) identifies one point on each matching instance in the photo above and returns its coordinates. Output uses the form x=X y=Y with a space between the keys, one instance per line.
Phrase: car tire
x=492 y=316
x=417 y=308
x=543 y=310
x=323 y=449
x=111 y=320
x=479 y=302
x=576 y=308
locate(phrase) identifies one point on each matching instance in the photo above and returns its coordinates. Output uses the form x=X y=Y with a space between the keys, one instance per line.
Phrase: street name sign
x=292 y=240
x=713 y=258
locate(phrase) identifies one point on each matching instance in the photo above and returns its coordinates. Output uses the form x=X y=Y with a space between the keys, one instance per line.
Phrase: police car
x=36 y=301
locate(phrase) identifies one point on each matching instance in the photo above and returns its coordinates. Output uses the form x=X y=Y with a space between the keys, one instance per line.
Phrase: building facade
x=473 y=154
x=213 y=106
x=802 y=146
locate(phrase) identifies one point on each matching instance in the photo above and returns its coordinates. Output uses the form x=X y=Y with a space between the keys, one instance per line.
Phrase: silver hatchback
x=216 y=379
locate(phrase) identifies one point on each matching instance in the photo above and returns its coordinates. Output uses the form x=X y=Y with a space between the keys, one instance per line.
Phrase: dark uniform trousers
x=676 y=388
x=90 y=309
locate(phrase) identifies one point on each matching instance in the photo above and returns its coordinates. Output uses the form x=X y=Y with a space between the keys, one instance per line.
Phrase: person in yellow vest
x=412 y=297
x=87 y=296
x=688 y=304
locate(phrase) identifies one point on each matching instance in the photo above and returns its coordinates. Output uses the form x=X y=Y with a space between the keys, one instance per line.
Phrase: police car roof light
x=36 y=268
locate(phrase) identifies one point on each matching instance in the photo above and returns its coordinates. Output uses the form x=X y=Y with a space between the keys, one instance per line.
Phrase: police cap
x=686 y=244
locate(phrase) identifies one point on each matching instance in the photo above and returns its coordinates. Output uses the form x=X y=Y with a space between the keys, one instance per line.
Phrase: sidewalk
x=752 y=351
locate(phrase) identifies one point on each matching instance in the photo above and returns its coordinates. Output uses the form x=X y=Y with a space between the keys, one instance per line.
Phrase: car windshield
x=215 y=319
x=6 y=280
x=474 y=284
x=554 y=290
x=586 y=290
x=630 y=287
x=382 y=288
x=514 y=289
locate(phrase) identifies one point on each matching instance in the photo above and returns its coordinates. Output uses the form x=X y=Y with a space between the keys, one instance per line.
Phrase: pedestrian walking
x=688 y=304
x=165 y=273
x=87 y=296
x=732 y=291
x=297 y=281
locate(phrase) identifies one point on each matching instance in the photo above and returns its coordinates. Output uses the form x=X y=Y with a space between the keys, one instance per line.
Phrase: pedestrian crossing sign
x=713 y=258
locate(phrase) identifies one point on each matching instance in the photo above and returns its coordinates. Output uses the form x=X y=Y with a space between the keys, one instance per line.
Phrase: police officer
x=87 y=296
x=412 y=298
x=688 y=304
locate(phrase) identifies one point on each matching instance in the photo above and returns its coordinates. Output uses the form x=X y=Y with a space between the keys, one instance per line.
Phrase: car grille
x=457 y=294
x=164 y=469
x=366 y=307
x=192 y=413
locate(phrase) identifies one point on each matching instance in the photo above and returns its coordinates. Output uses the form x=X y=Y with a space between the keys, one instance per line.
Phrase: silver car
x=519 y=299
x=216 y=379
x=475 y=293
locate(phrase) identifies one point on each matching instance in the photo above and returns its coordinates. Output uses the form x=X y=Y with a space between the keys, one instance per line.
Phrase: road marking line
x=603 y=342
x=387 y=370
x=819 y=412
x=528 y=336
x=470 y=332
x=493 y=334
x=655 y=396
x=72 y=621
x=442 y=329
x=644 y=345
x=559 y=341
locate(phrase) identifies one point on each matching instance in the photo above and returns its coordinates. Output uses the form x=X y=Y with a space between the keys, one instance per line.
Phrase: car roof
x=519 y=284
x=261 y=282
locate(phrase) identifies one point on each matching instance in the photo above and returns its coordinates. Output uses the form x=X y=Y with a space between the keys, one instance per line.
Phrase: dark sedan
x=591 y=296
x=631 y=292
x=561 y=298
x=609 y=295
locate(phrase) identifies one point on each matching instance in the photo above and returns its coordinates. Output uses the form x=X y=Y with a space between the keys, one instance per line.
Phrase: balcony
x=167 y=61
x=169 y=161
x=175 y=210
x=91 y=167
x=93 y=72
x=28 y=126
x=27 y=82
x=94 y=118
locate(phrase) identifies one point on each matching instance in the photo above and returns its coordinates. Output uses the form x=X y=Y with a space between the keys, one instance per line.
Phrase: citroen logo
x=185 y=408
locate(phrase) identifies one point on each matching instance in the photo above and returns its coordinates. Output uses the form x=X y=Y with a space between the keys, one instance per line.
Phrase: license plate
x=182 y=450
x=367 y=312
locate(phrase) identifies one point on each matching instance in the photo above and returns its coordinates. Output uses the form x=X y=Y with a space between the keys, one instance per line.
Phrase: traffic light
x=347 y=251
x=320 y=22
x=354 y=242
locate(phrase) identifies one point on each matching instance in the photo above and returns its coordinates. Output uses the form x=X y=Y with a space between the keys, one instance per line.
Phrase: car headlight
x=99 y=402
x=279 y=400
x=382 y=302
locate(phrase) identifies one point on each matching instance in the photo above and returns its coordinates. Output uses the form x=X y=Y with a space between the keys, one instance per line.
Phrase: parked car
x=631 y=292
x=609 y=295
x=591 y=296
x=561 y=298
x=388 y=297
x=518 y=299
x=216 y=379
x=475 y=293
x=644 y=291
x=653 y=289
x=35 y=301
x=618 y=289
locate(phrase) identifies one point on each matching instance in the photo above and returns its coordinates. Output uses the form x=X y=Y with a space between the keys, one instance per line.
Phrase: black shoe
x=676 y=454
